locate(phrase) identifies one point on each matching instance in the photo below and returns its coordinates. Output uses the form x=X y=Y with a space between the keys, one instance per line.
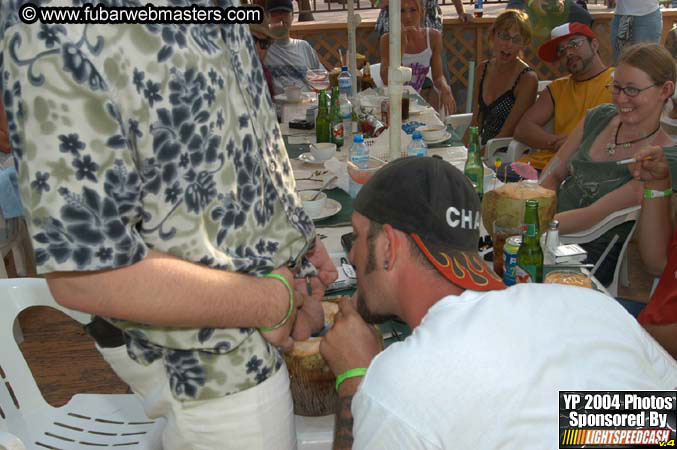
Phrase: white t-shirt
x=289 y=61
x=636 y=7
x=483 y=369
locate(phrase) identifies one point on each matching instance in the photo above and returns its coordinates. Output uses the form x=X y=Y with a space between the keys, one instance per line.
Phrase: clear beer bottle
x=530 y=255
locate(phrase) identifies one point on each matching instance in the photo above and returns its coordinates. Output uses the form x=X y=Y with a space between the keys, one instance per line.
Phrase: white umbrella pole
x=395 y=79
x=353 y=21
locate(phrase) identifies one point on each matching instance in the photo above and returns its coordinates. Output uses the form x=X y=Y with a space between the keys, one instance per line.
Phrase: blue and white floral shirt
x=130 y=137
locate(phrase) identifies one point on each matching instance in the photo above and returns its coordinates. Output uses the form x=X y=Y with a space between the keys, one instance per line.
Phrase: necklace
x=611 y=147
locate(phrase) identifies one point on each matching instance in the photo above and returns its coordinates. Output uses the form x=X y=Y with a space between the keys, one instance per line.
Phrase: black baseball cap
x=437 y=205
x=279 y=5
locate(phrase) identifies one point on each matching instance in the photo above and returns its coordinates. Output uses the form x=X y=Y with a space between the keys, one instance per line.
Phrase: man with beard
x=483 y=365
x=566 y=99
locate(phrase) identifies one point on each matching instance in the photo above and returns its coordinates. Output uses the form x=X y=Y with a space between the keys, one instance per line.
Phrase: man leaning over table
x=566 y=100
x=159 y=196
x=484 y=364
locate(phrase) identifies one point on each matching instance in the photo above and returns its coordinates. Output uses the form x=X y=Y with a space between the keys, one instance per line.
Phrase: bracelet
x=277 y=276
x=650 y=193
x=350 y=373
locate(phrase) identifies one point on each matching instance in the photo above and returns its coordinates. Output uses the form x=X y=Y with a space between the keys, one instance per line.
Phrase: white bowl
x=313 y=207
x=433 y=133
x=323 y=151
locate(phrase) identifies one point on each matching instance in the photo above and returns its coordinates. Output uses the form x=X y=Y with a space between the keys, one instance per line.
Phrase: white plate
x=331 y=207
x=415 y=108
x=308 y=158
x=446 y=136
x=305 y=97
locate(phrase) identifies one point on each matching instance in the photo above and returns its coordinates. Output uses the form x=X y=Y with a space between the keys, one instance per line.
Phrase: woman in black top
x=505 y=86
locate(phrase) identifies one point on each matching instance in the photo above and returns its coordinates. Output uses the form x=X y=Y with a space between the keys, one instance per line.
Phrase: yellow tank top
x=571 y=101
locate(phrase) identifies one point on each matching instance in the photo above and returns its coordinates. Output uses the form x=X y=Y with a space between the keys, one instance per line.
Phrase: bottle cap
x=344 y=68
x=358 y=138
x=554 y=224
x=417 y=135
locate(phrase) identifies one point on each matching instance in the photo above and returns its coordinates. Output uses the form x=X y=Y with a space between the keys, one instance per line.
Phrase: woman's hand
x=447 y=102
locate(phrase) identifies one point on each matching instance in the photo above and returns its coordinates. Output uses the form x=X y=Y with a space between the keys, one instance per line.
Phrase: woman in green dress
x=590 y=184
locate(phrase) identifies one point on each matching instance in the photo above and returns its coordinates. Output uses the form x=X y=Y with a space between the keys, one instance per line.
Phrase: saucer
x=308 y=158
x=446 y=137
x=305 y=97
x=331 y=207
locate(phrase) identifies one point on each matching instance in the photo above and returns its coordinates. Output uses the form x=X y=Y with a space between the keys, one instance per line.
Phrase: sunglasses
x=572 y=44
x=630 y=91
x=263 y=43
x=504 y=36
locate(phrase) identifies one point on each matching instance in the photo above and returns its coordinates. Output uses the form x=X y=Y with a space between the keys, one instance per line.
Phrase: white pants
x=261 y=417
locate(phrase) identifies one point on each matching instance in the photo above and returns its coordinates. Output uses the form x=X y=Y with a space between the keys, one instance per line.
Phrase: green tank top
x=589 y=180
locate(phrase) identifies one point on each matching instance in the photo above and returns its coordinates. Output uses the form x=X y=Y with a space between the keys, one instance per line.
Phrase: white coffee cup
x=433 y=133
x=313 y=207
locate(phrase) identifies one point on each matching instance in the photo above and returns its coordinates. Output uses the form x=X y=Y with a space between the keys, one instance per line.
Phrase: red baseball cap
x=548 y=50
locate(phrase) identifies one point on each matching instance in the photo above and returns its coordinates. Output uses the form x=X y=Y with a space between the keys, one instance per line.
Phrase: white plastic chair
x=459 y=122
x=87 y=420
x=592 y=233
x=508 y=148
x=375 y=71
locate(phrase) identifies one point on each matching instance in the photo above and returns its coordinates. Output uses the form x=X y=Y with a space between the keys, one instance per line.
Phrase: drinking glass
x=318 y=79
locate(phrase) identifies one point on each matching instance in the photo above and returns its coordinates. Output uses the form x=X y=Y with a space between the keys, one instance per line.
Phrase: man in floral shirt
x=158 y=193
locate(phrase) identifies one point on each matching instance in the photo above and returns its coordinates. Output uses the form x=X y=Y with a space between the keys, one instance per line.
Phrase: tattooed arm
x=343 y=429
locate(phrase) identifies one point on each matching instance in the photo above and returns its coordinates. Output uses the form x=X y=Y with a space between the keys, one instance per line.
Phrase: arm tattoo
x=343 y=429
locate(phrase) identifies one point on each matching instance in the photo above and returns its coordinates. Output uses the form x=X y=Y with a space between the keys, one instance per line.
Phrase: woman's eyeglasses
x=261 y=42
x=504 y=36
x=572 y=44
x=630 y=91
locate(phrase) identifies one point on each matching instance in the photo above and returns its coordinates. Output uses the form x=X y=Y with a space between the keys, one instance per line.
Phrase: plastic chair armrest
x=10 y=442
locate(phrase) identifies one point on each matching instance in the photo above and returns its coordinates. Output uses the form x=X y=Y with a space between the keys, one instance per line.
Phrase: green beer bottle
x=335 y=120
x=322 y=131
x=474 y=169
x=529 y=267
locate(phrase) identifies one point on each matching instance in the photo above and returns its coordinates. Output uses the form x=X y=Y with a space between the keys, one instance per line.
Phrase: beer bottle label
x=525 y=274
x=529 y=230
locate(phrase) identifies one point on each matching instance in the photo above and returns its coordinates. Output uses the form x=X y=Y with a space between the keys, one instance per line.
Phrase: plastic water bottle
x=346 y=111
x=359 y=155
x=345 y=82
x=417 y=147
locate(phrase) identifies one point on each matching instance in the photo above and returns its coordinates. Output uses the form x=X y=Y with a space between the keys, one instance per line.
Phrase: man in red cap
x=483 y=366
x=566 y=99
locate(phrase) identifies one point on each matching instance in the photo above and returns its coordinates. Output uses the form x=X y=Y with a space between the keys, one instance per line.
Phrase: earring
x=385 y=265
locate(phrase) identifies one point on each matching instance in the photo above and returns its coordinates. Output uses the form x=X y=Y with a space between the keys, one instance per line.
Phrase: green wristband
x=351 y=373
x=650 y=193
x=291 y=301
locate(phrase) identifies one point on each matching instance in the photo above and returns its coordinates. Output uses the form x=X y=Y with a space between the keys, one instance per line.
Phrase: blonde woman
x=505 y=86
x=422 y=52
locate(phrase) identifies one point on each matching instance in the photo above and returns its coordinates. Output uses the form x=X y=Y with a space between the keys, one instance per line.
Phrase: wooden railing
x=462 y=43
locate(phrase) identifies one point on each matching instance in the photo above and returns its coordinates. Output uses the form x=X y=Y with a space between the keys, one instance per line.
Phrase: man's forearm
x=458 y=4
x=343 y=431
x=534 y=135
x=166 y=291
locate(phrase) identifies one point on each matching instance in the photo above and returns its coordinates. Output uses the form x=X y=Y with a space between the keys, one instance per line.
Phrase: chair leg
x=624 y=275
x=19 y=258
